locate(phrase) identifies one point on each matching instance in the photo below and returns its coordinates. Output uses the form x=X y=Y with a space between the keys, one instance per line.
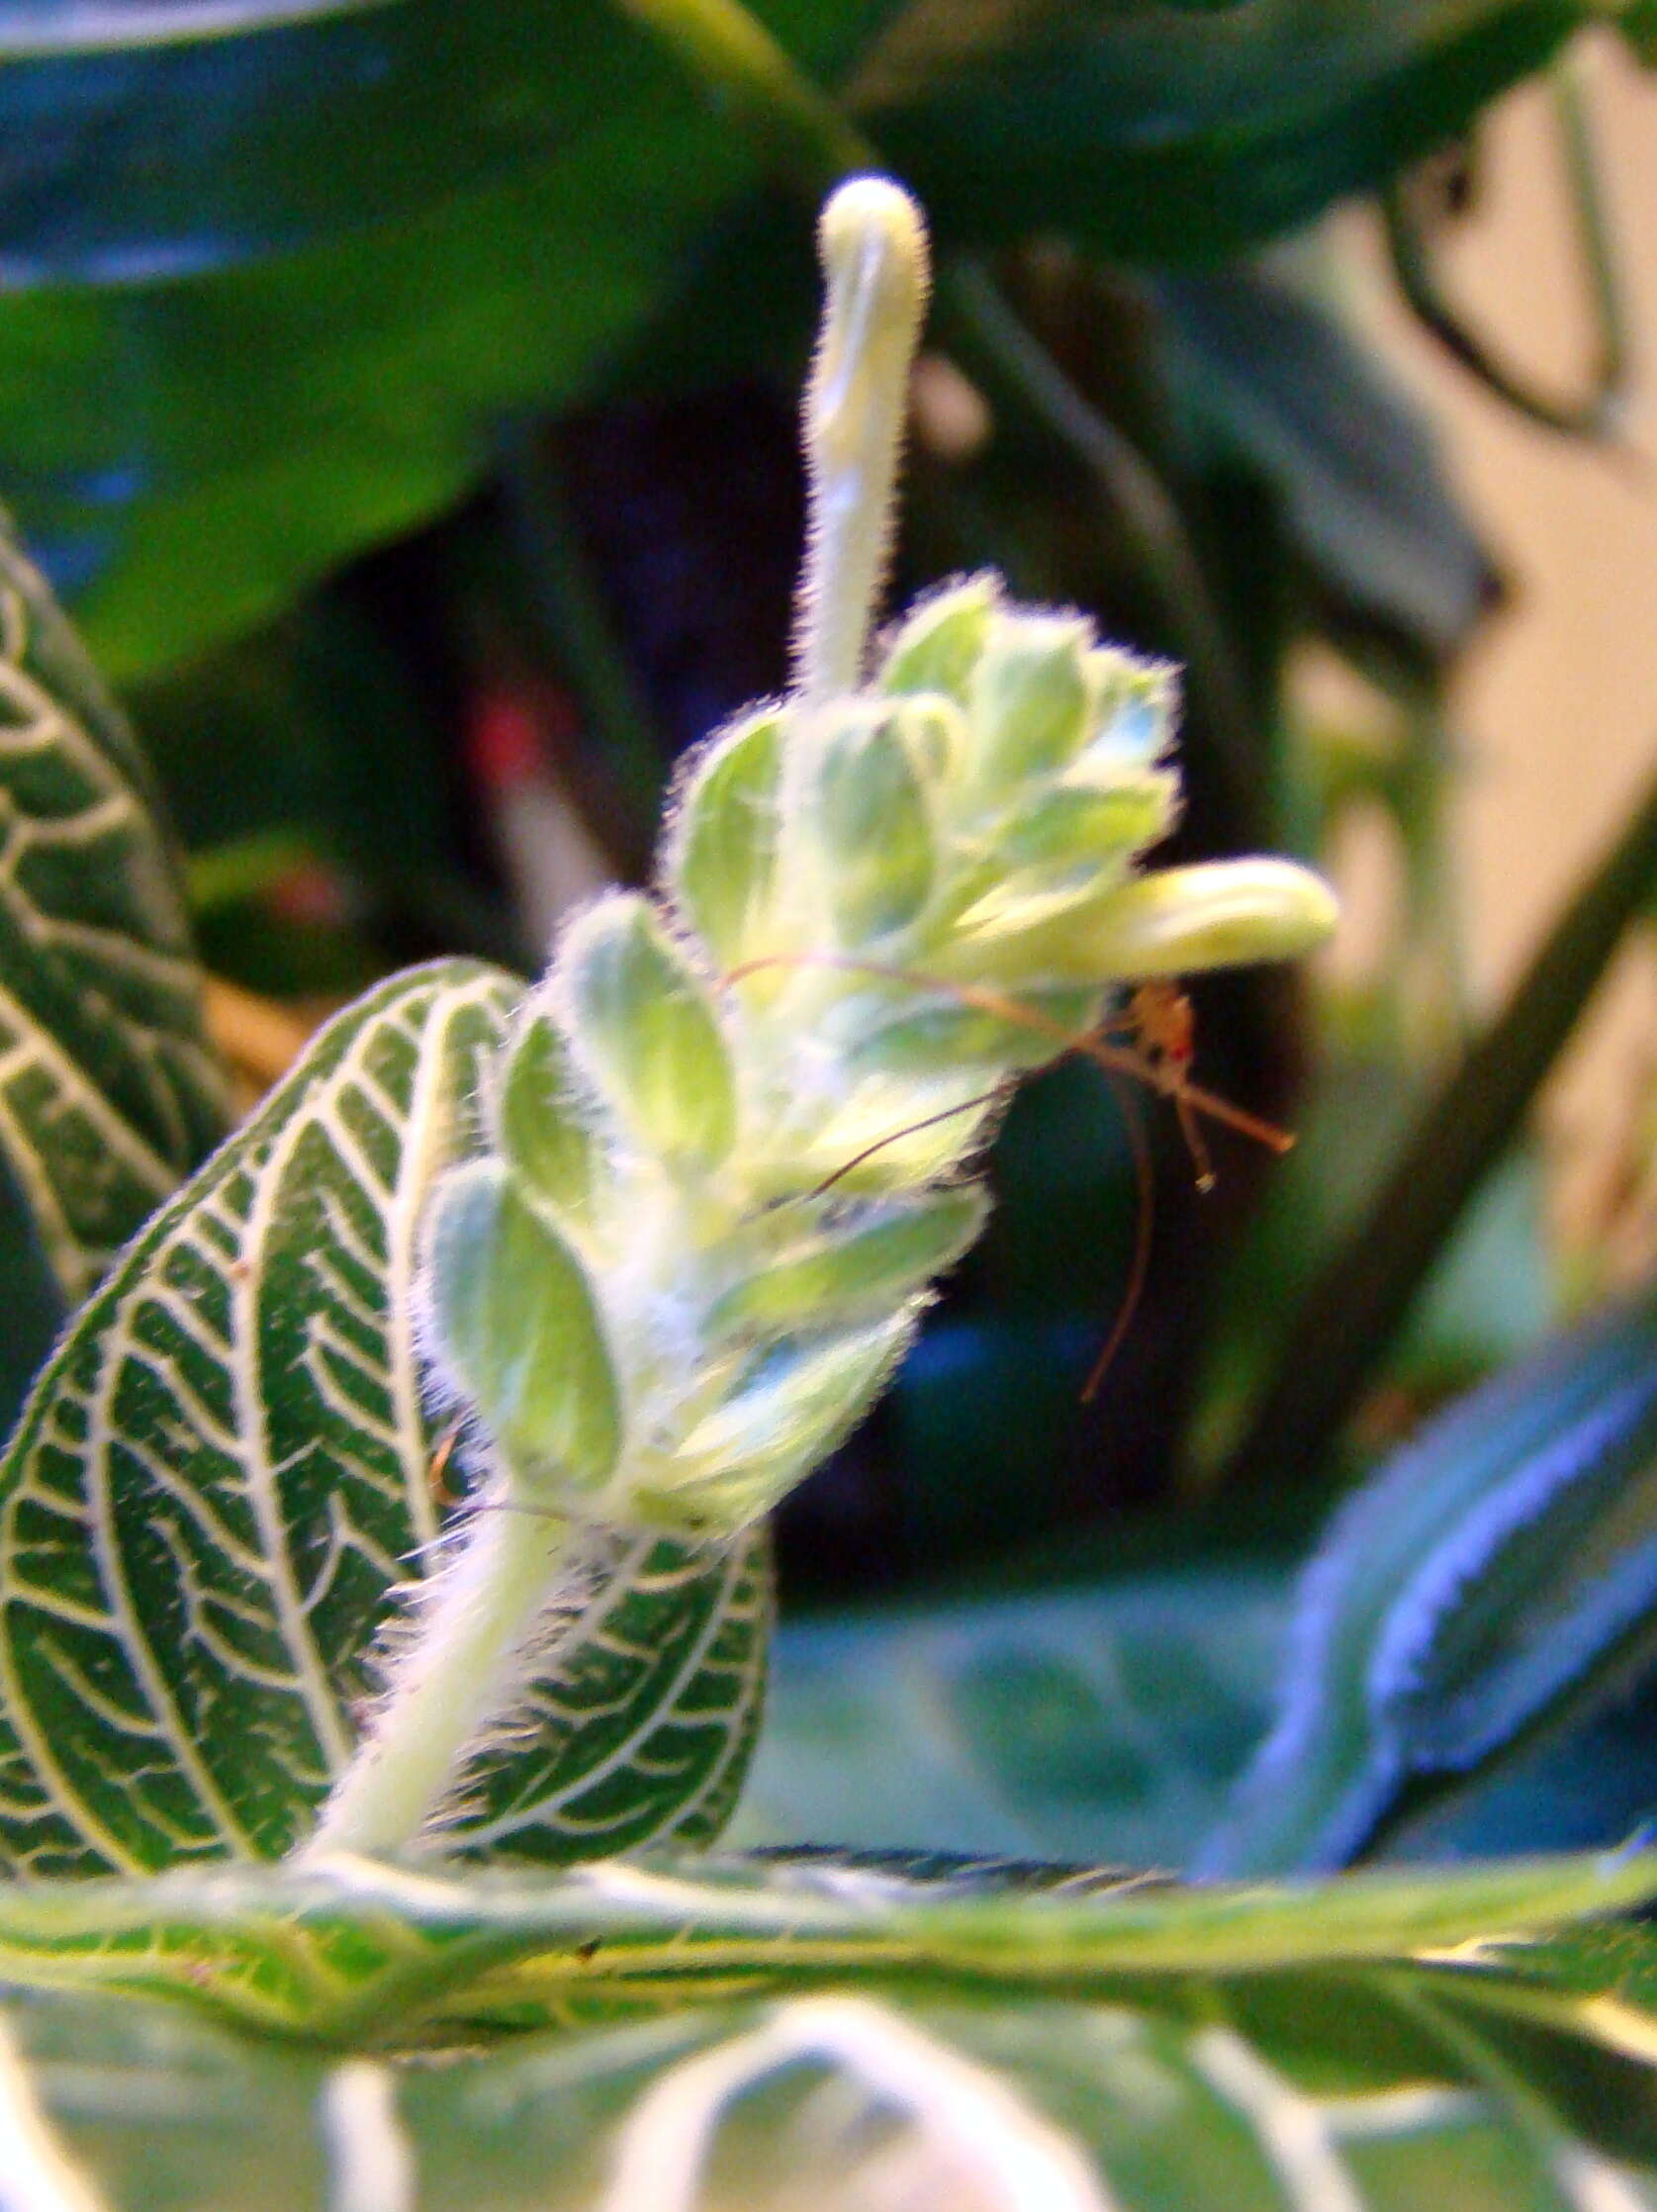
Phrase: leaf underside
x=226 y=1471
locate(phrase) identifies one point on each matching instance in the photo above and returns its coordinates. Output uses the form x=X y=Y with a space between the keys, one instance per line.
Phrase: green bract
x=728 y=1142
x=884 y=957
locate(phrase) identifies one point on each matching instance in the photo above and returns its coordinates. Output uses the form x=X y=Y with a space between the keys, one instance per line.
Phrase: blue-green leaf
x=1075 y=1724
x=1490 y=1577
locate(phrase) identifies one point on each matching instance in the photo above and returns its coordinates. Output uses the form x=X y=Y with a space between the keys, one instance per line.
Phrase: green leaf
x=109 y=1090
x=1497 y=1572
x=1219 y=2100
x=355 y=1950
x=474 y=209
x=285 y=127
x=226 y=1469
x=1093 y=2039
x=1169 y=135
x=1270 y=372
x=1078 y=1725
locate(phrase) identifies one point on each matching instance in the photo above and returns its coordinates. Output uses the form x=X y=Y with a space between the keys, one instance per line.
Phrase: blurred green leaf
x=1494 y=1575
x=1579 y=1786
x=478 y=208
x=1168 y=135
x=1106 y=1724
x=993 y=2035
x=195 y=443
x=1272 y=376
x=1392 y=2091
x=109 y=1092
x=281 y=129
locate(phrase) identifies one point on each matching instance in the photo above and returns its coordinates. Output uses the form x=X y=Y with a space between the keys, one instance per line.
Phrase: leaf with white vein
x=226 y=1471
x=109 y=1090
x=973 y=2039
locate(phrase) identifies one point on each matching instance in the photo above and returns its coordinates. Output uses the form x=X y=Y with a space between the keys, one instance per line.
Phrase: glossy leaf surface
x=476 y=208
x=109 y=1090
x=228 y=1467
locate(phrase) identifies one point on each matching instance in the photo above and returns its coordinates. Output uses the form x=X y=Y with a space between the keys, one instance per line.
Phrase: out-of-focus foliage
x=402 y=223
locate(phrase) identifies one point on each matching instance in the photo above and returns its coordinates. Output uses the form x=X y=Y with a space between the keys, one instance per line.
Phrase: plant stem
x=471 y=1631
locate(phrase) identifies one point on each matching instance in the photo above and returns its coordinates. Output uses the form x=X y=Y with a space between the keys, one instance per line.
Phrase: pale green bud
x=649 y=1034
x=1072 y=827
x=890 y=1135
x=938 y=647
x=538 y=1124
x=935 y=1030
x=881 y=1256
x=724 y=845
x=870 y=817
x=792 y=1409
x=1029 y=699
x=1217 y=914
x=516 y=1328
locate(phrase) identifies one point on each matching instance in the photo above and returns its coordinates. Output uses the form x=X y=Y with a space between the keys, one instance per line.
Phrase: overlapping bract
x=728 y=1130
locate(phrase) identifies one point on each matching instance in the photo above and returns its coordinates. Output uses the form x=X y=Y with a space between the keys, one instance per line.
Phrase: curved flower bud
x=1213 y=914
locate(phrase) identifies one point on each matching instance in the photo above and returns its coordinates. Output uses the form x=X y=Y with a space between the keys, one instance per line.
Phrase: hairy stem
x=481 y=1611
x=875 y=267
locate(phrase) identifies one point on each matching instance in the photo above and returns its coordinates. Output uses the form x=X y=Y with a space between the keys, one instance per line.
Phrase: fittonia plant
x=283 y=1736
x=723 y=1147
x=655 y=1237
